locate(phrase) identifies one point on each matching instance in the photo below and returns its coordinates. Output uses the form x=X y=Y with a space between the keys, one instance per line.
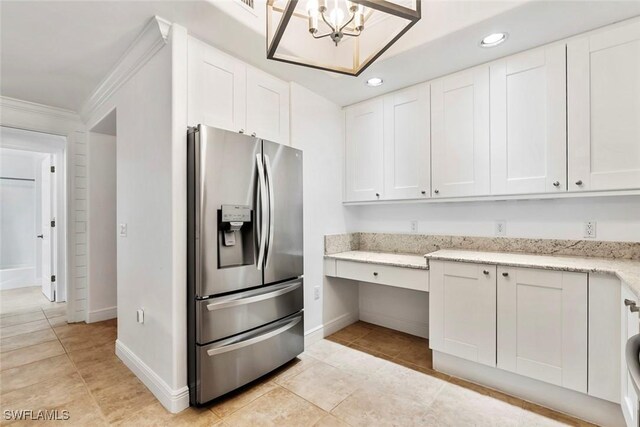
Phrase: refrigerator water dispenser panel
x=235 y=236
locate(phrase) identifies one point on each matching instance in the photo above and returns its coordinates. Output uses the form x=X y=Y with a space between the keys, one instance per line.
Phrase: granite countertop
x=626 y=270
x=384 y=258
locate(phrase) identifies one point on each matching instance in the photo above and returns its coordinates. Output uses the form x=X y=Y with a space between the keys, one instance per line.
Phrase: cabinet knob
x=505 y=274
x=375 y=273
x=556 y=183
x=436 y=191
x=241 y=131
x=579 y=182
x=377 y=194
x=253 y=134
x=423 y=192
x=629 y=302
x=485 y=271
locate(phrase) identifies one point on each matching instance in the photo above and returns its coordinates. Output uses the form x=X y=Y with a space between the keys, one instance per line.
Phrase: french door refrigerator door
x=227 y=177
x=283 y=169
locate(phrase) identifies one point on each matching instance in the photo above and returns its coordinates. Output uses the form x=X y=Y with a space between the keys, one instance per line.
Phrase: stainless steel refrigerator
x=245 y=260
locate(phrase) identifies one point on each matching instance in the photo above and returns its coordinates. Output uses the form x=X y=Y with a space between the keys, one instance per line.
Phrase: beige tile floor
x=364 y=375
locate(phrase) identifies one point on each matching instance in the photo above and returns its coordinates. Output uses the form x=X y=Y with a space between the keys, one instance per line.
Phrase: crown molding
x=19 y=105
x=152 y=38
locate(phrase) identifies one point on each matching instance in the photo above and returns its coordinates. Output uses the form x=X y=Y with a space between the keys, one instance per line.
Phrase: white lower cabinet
x=629 y=327
x=542 y=325
x=462 y=310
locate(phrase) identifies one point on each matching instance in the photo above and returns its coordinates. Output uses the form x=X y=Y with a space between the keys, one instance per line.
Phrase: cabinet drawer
x=400 y=277
x=232 y=314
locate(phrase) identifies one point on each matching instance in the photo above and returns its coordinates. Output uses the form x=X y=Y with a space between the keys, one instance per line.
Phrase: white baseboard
x=20 y=277
x=102 y=314
x=173 y=400
x=570 y=402
x=319 y=332
x=403 y=325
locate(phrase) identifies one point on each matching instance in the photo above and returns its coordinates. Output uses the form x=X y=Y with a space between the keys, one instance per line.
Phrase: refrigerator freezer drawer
x=231 y=363
x=228 y=315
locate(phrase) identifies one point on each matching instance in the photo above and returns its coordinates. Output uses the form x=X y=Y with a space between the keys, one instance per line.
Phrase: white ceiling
x=56 y=53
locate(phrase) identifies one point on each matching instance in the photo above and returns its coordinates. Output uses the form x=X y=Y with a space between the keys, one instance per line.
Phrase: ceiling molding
x=27 y=115
x=152 y=38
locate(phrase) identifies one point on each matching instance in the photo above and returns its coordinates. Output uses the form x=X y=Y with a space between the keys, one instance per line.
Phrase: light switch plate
x=414 y=226
x=140 y=315
x=123 y=230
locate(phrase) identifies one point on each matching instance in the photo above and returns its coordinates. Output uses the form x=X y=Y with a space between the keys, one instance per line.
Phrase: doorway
x=32 y=217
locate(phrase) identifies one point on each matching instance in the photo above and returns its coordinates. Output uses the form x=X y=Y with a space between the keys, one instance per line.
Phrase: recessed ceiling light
x=493 y=39
x=374 y=81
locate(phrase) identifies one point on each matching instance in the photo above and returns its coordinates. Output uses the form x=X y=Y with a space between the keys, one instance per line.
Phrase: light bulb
x=493 y=39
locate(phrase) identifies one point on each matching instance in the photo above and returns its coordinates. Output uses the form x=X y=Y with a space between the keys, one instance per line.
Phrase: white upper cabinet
x=407 y=144
x=267 y=106
x=217 y=88
x=603 y=74
x=364 y=151
x=460 y=134
x=228 y=94
x=528 y=122
x=542 y=325
x=462 y=310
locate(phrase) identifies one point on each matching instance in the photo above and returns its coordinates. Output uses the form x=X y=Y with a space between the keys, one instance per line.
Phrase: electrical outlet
x=590 y=229
x=414 y=226
x=123 y=230
x=501 y=228
x=316 y=293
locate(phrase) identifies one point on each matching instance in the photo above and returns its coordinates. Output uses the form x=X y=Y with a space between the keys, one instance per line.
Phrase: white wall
x=617 y=217
x=316 y=129
x=101 y=298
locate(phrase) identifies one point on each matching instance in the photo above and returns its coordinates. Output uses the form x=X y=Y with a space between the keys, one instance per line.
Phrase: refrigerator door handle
x=254 y=296
x=253 y=340
x=262 y=210
x=271 y=208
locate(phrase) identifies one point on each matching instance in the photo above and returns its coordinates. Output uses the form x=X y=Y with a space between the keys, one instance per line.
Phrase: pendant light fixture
x=336 y=35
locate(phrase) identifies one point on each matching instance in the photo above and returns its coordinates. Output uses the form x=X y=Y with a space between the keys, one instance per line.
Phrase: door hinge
x=53 y=222
x=53 y=169
x=53 y=278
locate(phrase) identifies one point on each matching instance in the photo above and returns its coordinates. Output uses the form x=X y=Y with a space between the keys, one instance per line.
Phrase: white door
x=542 y=325
x=267 y=106
x=407 y=144
x=462 y=310
x=460 y=134
x=47 y=232
x=364 y=151
x=217 y=88
x=629 y=328
x=603 y=78
x=528 y=122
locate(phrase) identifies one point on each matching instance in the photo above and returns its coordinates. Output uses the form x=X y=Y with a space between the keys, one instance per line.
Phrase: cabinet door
x=462 y=310
x=407 y=144
x=528 y=122
x=217 y=88
x=267 y=107
x=363 y=151
x=460 y=134
x=542 y=325
x=603 y=78
x=629 y=328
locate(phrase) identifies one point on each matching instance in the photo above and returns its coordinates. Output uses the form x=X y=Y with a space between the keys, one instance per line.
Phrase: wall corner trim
x=173 y=400
x=152 y=38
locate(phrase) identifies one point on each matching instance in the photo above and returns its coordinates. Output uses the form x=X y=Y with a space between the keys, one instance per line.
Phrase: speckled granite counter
x=383 y=258
x=627 y=270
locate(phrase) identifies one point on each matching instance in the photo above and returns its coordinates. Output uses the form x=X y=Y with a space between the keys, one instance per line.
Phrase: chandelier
x=359 y=31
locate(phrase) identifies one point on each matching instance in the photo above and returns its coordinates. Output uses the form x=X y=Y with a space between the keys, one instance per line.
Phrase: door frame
x=34 y=117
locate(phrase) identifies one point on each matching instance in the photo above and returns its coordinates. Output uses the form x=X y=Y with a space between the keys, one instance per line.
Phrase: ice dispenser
x=235 y=236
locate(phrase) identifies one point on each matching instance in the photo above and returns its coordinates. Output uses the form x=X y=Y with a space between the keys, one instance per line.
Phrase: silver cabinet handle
x=634 y=309
x=40 y=236
x=272 y=212
x=253 y=296
x=423 y=192
x=579 y=182
x=262 y=212
x=556 y=183
x=238 y=345
x=629 y=302
x=485 y=271
x=436 y=191
x=505 y=274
